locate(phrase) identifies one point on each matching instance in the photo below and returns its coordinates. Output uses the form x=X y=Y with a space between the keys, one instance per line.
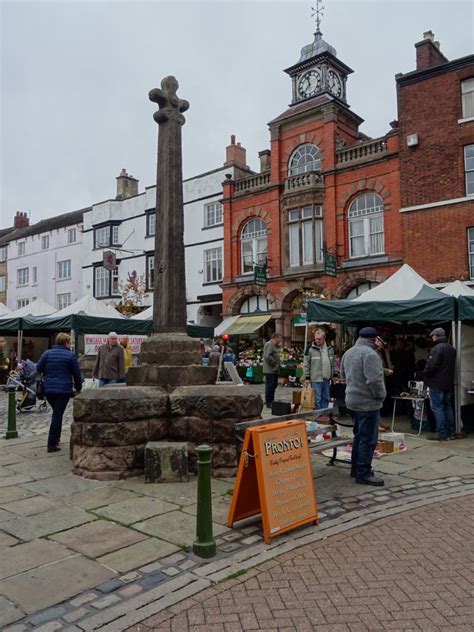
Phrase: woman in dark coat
x=62 y=380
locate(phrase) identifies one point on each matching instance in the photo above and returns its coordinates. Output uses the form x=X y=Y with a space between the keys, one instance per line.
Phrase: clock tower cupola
x=318 y=70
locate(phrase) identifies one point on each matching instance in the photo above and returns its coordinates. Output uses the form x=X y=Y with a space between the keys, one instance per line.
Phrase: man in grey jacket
x=362 y=369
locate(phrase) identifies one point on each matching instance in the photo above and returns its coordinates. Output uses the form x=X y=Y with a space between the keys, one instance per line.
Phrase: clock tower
x=318 y=72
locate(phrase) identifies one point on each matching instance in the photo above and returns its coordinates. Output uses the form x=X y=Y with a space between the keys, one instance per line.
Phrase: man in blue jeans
x=439 y=376
x=318 y=367
x=362 y=369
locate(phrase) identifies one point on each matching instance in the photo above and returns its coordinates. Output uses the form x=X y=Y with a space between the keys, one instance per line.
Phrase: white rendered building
x=45 y=261
x=125 y=227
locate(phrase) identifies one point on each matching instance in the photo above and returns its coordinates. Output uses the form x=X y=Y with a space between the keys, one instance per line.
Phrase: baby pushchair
x=24 y=378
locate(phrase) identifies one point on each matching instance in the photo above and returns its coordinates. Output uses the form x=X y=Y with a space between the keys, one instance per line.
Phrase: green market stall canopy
x=403 y=297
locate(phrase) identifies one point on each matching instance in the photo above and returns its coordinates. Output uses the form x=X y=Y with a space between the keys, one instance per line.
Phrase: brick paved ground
x=412 y=571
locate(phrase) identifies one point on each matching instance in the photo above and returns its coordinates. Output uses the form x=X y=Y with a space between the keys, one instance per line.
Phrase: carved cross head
x=168 y=101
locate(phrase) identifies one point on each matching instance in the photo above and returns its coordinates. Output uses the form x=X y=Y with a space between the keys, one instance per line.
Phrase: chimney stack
x=127 y=185
x=428 y=53
x=235 y=154
x=265 y=157
x=21 y=220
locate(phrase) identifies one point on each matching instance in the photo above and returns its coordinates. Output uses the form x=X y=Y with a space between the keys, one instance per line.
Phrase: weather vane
x=318 y=12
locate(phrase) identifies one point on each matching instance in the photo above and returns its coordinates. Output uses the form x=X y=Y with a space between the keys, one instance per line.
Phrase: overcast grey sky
x=76 y=74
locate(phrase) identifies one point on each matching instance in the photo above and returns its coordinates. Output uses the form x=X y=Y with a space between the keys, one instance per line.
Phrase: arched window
x=360 y=289
x=305 y=158
x=253 y=240
x=255 y=304
x=366 y=236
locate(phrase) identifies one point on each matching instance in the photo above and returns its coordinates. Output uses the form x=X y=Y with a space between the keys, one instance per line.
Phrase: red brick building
x=324 y=188
x=436 y=117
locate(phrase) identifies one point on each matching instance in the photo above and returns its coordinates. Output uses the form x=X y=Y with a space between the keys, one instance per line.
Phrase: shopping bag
x=40 y=389
x=88 y=384
x=307 y=398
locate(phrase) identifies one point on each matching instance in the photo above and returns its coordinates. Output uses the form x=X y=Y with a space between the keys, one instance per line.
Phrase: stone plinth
x=170 y=360
x=166 y=462
x=111 y=427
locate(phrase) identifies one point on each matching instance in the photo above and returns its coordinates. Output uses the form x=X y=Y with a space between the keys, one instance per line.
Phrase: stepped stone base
x=113 y=425
x=170 y=376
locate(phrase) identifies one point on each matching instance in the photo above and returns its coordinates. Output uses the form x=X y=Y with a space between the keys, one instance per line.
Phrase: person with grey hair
x=439 y=377
x=109 y=366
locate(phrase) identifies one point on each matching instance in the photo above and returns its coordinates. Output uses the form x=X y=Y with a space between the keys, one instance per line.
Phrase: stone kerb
x=203 y=414
x=111 y=427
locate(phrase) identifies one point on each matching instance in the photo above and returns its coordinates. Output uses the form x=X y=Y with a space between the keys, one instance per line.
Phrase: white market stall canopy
x=457 y=289
x=89 y=306
x=4 y=310
x=35 y=308
x=404 y=284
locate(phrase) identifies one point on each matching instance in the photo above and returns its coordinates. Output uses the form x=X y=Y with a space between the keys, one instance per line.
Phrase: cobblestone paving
x=414 y=571
x=31 y=423
x=333 y=579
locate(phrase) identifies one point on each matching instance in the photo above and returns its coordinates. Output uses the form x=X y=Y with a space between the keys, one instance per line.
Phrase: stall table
x=421 y=398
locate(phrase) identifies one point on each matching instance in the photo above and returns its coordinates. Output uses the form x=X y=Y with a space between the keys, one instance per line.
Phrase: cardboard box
x=296 y=395
x=397 y=438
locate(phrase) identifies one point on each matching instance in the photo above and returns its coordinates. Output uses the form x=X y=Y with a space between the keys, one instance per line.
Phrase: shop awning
x=242 y=324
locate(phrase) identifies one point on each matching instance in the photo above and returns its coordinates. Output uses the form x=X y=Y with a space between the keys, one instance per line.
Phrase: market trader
x=362 y=369
x=439 y=376
x=271 y=368
x=318 y=368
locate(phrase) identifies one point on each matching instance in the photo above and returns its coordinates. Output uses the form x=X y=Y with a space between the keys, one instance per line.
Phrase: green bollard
x=11 y=430
x=205 y=545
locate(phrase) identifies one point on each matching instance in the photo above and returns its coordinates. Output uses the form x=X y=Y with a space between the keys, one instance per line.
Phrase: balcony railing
x=303 y=181
x=365 y=151
x=251 y=184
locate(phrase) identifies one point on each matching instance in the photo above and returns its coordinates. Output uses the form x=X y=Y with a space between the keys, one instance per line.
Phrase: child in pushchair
x=25 y=379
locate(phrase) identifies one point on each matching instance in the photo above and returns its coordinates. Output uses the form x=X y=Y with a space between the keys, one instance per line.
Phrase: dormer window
x=304 y=159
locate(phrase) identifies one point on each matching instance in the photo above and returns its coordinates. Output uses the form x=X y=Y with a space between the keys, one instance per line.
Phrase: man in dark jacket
x=362 y=369
x=439 y=376
x=271 y=368
x=109 y=366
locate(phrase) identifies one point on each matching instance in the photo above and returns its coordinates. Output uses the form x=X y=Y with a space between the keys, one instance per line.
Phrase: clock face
x=334 y=83
x=309 y=83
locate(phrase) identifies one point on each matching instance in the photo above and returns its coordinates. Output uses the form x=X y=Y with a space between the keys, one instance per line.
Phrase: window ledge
x=64 y=278
x=468 y=119
x=364 y=261
x=148 y=236
x=212 y=282
x=307 y=267
x=213 y=226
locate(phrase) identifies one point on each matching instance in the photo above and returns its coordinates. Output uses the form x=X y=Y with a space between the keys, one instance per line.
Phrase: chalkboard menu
x=275 y=479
